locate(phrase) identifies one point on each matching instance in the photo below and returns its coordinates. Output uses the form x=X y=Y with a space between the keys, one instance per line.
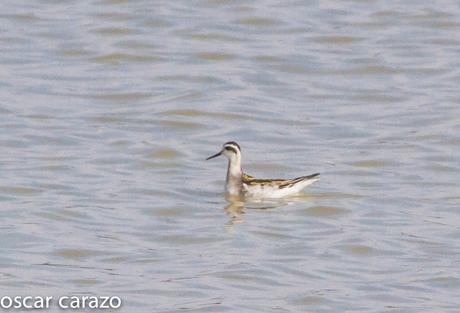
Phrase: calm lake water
x=109 y=108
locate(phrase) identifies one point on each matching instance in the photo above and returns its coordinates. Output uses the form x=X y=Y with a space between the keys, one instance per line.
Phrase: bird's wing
x=249 y=180
x=292 y=182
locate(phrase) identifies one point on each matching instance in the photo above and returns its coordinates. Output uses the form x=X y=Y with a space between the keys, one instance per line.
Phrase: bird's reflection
x=237 y=206
x=234 y=209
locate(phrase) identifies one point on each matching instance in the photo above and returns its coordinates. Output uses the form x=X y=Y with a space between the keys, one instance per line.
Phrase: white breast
x=232 y=189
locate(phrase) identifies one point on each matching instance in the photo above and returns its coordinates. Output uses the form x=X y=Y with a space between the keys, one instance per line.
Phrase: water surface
x=109 y=108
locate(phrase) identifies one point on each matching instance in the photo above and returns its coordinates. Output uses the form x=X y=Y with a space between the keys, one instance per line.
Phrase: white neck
x=234 y=176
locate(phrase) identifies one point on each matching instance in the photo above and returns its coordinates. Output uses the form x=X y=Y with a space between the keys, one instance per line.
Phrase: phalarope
x=240 y=184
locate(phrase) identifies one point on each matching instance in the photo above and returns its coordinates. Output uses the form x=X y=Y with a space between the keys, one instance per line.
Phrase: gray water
x=109 y=108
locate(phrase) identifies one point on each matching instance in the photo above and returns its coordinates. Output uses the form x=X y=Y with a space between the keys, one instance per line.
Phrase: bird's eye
x=228 y=148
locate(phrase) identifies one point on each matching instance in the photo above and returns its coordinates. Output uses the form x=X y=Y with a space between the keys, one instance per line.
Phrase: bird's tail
x=303 y=181
x=314 y=177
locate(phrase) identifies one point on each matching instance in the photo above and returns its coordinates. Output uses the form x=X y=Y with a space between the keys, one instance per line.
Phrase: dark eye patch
x=228 y=148
x=234 y=144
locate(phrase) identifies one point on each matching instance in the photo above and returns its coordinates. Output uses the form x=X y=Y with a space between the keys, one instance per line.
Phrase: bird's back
x=275 y=188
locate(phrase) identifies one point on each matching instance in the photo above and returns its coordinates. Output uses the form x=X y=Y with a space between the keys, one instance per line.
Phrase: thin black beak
x=214 y=156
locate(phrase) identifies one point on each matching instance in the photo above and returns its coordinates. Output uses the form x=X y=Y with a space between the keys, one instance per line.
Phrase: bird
x=240 y=184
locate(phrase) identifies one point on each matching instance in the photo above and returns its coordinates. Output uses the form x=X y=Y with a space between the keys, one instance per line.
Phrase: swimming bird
x=240 y=184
